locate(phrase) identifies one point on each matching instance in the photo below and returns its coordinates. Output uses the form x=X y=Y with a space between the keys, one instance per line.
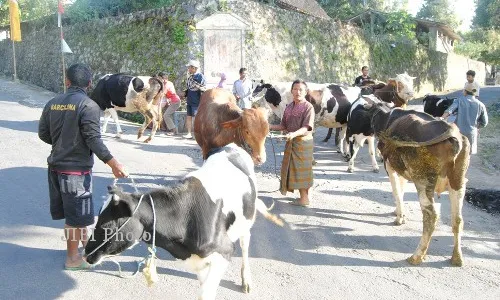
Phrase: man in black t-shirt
x=359 y=80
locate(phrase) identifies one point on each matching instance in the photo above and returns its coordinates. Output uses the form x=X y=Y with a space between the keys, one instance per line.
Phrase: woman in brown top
x=298 y=121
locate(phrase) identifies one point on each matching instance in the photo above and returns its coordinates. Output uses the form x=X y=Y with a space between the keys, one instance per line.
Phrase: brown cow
x=398 y=90
x=431 y=153
x=220 y=121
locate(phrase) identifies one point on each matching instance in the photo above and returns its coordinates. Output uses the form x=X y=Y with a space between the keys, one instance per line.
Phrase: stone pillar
x=224 y=46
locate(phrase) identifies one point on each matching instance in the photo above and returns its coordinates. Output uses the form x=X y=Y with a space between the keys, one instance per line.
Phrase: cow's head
x=253 y=127
x=404 y=86
x=369 y=86
x=258 y=87
x=268 y=92
x=155 y=90
x=114 y=213
x=315 y=97
x=137 y=84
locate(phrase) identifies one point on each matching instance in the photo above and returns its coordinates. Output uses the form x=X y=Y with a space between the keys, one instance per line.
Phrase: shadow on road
x=301 y=244
x=29 y=126
x=32 y=273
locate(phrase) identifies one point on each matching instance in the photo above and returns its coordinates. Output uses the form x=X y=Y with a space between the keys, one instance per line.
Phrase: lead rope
x=272 y=137
x=149 y=258
x=150 y=269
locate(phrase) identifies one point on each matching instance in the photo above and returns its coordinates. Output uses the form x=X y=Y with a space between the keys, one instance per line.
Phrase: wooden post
x=14 y=60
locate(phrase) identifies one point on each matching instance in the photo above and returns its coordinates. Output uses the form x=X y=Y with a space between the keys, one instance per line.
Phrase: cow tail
x=456 y=144
x=264 y=210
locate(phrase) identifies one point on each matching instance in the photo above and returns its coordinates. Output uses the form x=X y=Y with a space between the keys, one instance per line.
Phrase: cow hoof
x=347 y=158
x=456 y=259
x=413 y=260
x=376 y=170
x=325 y=140
x=458 y=262
x=314 y=162
x=399 y=221
x=147 y=140
x=350 y=170
x=245 y=288
x=118 y=136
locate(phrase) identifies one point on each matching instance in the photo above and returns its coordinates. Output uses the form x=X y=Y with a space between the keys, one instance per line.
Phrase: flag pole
x=14 y=59
x=62 y=59
x=60 y=11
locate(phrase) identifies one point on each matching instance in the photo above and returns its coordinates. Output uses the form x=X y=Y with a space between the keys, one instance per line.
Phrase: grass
x=489 y=139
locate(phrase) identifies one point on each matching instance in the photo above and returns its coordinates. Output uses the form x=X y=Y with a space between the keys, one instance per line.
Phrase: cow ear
x=122 y=201
x=232 y=124
x=138 y=84
x=125 y=205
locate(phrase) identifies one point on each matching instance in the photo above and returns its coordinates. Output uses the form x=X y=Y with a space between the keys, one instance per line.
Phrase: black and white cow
x=396 y=93
x=198 y=219
x=276 y=96
x=436 y=105
x=129 y=94
x=331 y=107
x=359 y=131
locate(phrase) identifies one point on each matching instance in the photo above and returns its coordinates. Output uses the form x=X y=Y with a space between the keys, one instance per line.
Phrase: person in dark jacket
x=70 y=123
x=364 y=76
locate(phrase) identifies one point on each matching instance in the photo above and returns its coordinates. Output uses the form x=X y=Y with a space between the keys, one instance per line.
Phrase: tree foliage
x=82 y=10
x=344 y=9
x=481 y=44
x=30 y=10
x=79 y=10
x=438 y=11
x=487 y=14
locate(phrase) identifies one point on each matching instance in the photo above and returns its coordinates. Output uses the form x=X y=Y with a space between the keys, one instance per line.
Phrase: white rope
x=116 y=232
x=143 y=261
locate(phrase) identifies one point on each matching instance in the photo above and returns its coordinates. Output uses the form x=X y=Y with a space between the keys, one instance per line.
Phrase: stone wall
x=280 y=46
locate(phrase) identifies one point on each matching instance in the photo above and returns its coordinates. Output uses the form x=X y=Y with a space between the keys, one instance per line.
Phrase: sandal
x=82 y=267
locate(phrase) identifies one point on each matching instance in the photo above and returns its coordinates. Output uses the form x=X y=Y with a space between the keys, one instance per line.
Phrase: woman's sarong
x=296 y=168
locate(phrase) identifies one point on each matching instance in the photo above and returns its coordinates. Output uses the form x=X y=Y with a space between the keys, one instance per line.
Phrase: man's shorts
x=71 y=197
x=191 y=110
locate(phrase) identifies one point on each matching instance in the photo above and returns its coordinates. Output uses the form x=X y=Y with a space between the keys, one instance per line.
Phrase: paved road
x=488 y=94
x=343 y=247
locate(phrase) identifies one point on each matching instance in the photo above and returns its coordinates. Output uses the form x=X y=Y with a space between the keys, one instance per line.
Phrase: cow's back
x=229 y=175
x=100 y=94
x=216 y=106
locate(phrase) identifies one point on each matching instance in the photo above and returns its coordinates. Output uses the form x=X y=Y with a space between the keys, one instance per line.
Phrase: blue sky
x=465 y=9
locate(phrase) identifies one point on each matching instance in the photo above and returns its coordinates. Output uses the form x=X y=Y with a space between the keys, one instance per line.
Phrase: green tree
x=344 y=9
x=438 y=11
x=30 y=10
x=400 y=24
x=88 y=9
x=481 y=44
x=487 y=14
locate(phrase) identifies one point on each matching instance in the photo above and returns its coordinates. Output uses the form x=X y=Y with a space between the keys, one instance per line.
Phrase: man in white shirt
x=242 y=90
x=470 y=80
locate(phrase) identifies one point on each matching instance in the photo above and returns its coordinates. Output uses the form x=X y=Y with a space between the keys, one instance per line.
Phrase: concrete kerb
x=29 y=94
